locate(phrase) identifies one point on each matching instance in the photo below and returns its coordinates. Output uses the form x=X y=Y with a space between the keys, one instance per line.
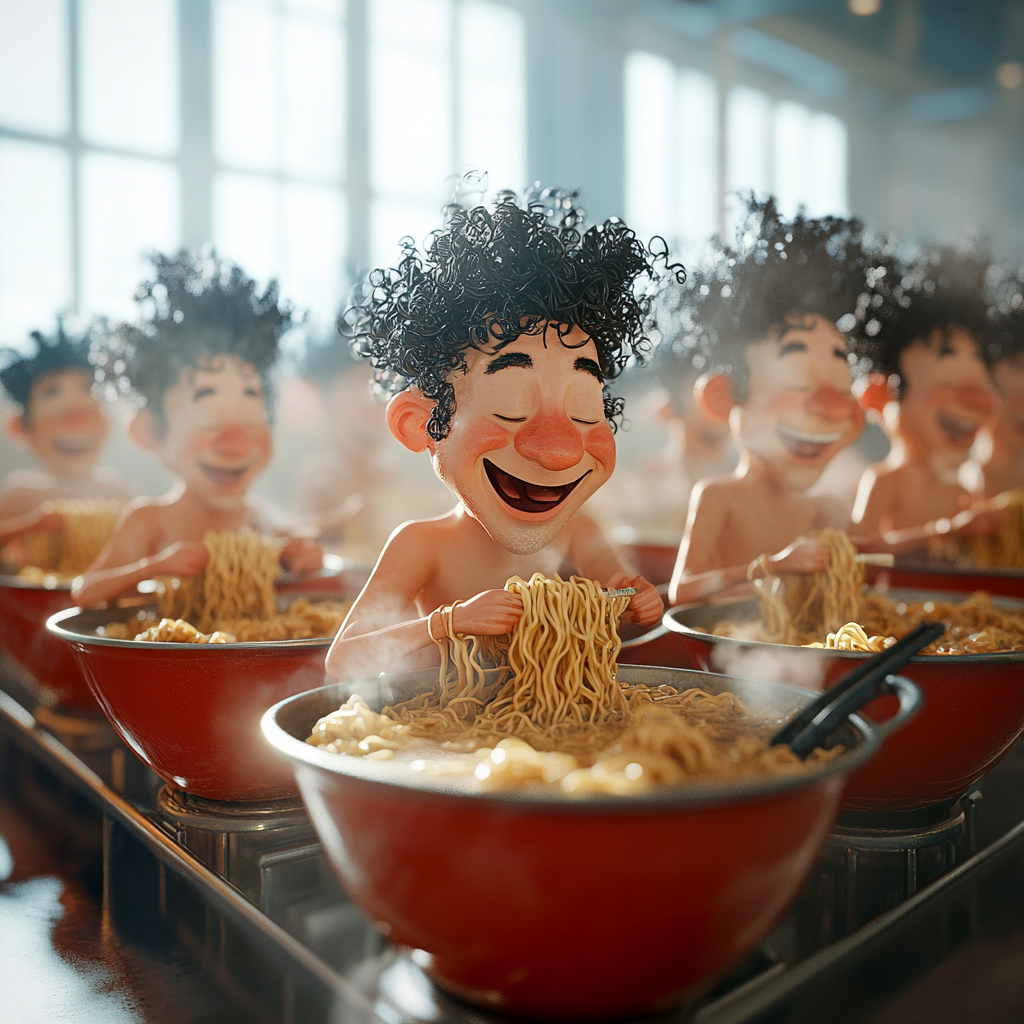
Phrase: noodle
x=232 y=601
x=1005 y=547
x=830 y=603
x=542 y=707
x=237 y=582
x=64 y=554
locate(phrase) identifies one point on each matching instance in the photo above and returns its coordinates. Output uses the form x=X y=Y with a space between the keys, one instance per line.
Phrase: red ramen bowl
x=973 y=715
x=192 y=711
x=924 y=575
x=24 y=608
x=547 y=906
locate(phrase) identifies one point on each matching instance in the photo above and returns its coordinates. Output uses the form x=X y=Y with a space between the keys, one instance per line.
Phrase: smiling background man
x=919 y=340
x=763 y=319
x=61 y=422
x=496 y=347
x=200 y=363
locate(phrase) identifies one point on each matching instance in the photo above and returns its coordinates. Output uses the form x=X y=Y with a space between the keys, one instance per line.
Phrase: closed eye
x=203 y=393
x=793 y=346
x=253 y=392
x=510 y=419
x=840 y=354
x=588 y=423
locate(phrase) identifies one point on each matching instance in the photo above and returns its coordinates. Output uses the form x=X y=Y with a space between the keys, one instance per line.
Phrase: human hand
x=803 y=555
x=982 y=519
x=491 y=613
x=645 y=606
x=182 y=558
x=302 y=555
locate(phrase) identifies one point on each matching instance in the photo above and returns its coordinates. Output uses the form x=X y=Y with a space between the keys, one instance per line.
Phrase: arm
x=698 y=573
x=589 y=549
x=39 y=519
x=128 y=558
x=383 y=627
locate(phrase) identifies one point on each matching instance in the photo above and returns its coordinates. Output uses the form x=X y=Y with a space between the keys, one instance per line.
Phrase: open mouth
x=223 y=477
x=803 y=444
x=958 y=432
x=524 y=496
x=74 y=444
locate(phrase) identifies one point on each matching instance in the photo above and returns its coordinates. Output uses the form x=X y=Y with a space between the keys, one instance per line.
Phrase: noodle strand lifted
x=543 y=707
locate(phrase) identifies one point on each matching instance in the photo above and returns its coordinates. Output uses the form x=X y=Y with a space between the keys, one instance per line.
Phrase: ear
x=873 y=392
x=16 y=428
x=713 y=392
x=141 y=428
x=407 y=415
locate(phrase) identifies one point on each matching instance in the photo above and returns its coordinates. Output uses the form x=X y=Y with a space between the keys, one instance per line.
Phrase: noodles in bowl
x=831 y=609
x=232 y=601
x=543 y=708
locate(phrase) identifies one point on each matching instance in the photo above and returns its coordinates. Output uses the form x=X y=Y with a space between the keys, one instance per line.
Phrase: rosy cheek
x=600 y=443
x=480 y=437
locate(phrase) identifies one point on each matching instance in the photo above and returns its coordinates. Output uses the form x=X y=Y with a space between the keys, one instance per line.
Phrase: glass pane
x=244 y=215
x=794 y=159
x=129 y=73
x=243 y=84
x=747 y=116
x=829 y=191
x=313 y=276
x=392 y=221
x=650 y=83
x=35 y=237
x=314 y=97
x=129 y=207
x=33 y=65
x=492 y=93
x=410 y=98
x=698 y=161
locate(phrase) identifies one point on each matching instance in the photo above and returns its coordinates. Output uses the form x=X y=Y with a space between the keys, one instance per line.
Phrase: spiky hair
x=53 y=353
x=779 y=273
x=908 y=301
x=494 y=273
x=195 y=308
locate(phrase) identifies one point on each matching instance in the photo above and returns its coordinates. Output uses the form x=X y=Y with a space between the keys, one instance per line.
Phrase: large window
x=128 y=126
x=675 y=119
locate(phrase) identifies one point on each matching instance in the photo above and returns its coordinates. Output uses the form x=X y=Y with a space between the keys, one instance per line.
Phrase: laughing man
x=497 y=346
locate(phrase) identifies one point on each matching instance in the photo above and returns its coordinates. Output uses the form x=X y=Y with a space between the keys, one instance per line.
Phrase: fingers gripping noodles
x=542 y=707
x=830 y=609
x=88 y=523
x=232 y=600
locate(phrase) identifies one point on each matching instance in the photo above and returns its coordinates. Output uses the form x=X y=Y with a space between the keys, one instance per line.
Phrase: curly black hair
x=908 y=301
x=196 y=307
x=491 y=275
x=779 y=273
x=53 y=353
x=1005 y=337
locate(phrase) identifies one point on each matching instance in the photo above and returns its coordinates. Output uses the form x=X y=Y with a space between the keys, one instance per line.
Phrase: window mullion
x=195 y=63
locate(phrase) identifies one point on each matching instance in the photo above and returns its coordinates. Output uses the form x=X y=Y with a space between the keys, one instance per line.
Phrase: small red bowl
x=974 y=710
x=545 y=906
x=190 y=711
x=24 y=608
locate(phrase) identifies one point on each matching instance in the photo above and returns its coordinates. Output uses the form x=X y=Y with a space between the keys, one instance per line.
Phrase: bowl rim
x=670 y=622
x=55 y=626
x=666 y=798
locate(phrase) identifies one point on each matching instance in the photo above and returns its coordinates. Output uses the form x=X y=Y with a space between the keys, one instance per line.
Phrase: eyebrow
x=589 y=366
x=507 y=359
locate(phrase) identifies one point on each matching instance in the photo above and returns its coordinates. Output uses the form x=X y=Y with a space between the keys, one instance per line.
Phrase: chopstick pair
x=821 y=717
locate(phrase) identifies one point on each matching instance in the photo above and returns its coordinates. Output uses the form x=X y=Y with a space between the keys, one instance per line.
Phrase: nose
x=232 y=441
x=551 y=440
x=978 y=398
x=830 y=404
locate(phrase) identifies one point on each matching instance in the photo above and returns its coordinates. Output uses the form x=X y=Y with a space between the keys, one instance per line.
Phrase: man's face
x=218 y=437
x=529 y=442
x=66 y=428
x=1008 y=375
x=947 y=396
x=799 y=410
